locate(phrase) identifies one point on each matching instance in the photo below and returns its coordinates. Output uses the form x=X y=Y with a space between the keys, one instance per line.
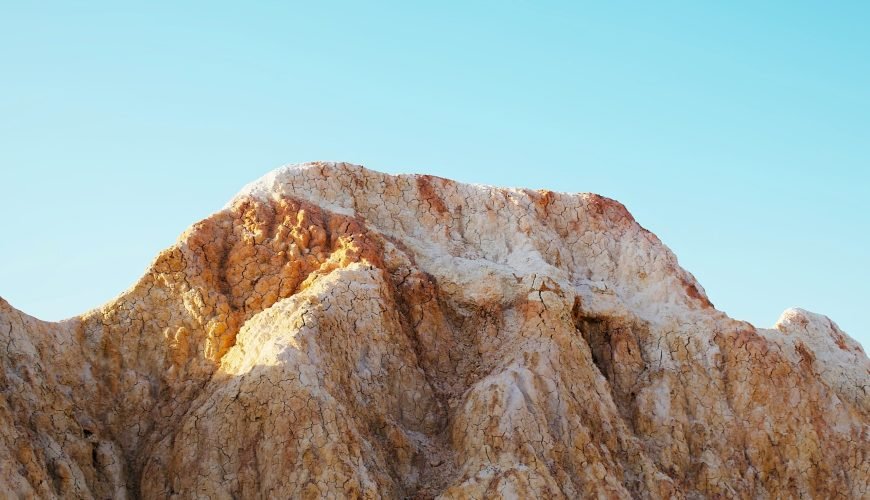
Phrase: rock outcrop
x=338 y=332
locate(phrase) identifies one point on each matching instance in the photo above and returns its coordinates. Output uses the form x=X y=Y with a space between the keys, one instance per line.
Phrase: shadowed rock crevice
x=617 y=354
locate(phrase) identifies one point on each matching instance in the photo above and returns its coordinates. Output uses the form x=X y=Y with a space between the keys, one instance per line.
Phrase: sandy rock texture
x=335 y=332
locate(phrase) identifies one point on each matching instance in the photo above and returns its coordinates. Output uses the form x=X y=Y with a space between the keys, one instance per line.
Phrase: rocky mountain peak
x=338 y=332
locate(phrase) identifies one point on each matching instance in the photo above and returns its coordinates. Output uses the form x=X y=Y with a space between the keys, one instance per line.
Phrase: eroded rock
x=337 y=332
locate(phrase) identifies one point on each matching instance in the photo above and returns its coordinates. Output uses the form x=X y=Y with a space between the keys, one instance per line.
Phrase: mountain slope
x=334 y=331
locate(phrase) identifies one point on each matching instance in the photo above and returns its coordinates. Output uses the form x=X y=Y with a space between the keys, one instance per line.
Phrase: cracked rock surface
x=335 y=332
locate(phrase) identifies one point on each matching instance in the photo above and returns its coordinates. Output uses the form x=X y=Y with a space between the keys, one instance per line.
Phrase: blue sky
x=738 y=132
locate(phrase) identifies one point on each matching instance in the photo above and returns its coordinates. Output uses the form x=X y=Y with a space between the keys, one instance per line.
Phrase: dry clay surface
x=335 y=332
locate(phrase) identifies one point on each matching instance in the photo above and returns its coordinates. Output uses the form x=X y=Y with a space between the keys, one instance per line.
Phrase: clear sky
x=739 y=132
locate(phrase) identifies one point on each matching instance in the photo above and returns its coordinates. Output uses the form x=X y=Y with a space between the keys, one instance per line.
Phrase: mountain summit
x=338 y=332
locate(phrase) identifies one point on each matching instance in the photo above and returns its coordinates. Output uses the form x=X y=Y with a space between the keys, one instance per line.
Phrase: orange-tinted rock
x=337 y=332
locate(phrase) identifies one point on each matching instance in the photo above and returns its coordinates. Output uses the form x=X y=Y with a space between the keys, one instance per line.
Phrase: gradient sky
x=738 y=132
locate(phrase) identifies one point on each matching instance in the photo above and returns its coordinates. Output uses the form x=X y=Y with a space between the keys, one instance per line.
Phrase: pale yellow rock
x=335 y=332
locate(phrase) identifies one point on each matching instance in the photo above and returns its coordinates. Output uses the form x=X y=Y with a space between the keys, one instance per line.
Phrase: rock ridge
x=338 y=332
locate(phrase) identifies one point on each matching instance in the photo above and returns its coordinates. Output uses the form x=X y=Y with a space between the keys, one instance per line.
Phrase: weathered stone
x=337 y=332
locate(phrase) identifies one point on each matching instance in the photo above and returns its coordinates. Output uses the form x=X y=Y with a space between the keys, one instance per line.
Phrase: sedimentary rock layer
x=338 y=332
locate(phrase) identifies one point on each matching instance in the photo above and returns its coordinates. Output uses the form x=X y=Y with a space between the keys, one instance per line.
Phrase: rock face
x=337 y=332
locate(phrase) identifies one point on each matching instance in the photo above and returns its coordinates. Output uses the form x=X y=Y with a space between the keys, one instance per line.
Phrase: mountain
x=338 y=332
